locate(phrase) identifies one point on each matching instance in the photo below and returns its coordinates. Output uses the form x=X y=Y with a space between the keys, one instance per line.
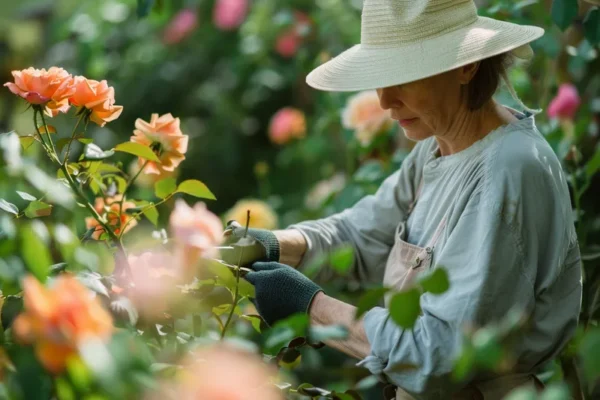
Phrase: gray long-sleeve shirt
x=509 y=242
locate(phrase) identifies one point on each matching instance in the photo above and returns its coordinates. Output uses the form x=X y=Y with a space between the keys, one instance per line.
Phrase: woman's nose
x=388 y=98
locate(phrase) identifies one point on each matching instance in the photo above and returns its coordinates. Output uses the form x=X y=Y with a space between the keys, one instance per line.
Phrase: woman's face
x=428 y=106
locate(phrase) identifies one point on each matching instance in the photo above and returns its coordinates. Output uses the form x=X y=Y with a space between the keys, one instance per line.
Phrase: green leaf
x=405 y=308
x=488 y=351
x=93 y=281
x=11 y=307
x=93 y=152
x=556 y=391
x=367 y=383
x=591 y=26
x=38 y=209
x=35 y=252
x=593 y=165
x=137 y=150
x=564 y=12
x=436 y=282
x=26 y=196
x=152 y=214
x=195 y=188
x=8 y=207
x=124 y=308
x=588 y=351
x=26 y=141
x=522 y=393
x=321 y=333
x=464 y=364
x=84 y=140
x=165 y=187
x=370 y=299
x=144 y=7
x=309 y=390
x=255 y=320
x=342 y=259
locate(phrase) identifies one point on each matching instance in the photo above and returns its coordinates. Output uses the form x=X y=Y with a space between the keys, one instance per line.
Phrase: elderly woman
x=481 y=194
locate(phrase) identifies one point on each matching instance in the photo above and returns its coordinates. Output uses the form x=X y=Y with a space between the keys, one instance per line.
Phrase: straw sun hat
x=407 y=40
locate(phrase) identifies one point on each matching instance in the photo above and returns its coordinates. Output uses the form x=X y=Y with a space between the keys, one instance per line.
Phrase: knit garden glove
x=280 y=290
x=258 y=245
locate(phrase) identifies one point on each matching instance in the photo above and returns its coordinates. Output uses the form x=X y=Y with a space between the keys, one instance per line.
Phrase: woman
x=481 y=195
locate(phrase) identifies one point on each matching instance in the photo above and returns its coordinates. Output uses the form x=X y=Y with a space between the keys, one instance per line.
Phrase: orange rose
x=222 y=372
x=163 y=135
x=115 y=216
x=50 y=89
x=287 y=124
x=98 y=98
x=58 y=319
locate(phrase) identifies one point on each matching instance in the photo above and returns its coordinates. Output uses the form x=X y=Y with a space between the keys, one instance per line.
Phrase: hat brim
x=364 y=67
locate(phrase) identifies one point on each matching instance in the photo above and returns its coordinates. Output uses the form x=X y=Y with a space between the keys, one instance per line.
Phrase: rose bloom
x=323 y=189
x=116 y=219
x=181 y=26
x=364 y=114
x=148 y=180
x=60 y=318
x=152 y=283
x=222 y=373
x=98 y=98
x=163 y=135
x=229 y=14
x=196 y=231
x=566 y=102
x=50 y=89
x=287 y=124
x=262 y=215
x=288 y=42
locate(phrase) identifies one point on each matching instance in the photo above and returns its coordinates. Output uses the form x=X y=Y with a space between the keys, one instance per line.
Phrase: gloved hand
x=280 y=290
x=258 y=245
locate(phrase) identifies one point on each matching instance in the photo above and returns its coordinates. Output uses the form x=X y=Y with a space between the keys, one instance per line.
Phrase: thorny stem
x=42 y=141
x=237 y=281
x=127 y=187
x=83 y=115
x=49 y=137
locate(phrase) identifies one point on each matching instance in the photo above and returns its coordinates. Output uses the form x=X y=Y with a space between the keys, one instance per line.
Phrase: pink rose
x=229 y=14
x=196 y=232
x=287 y=44
x=287 y=124
x=364 y=115
x=566 y=102
x=181 y=26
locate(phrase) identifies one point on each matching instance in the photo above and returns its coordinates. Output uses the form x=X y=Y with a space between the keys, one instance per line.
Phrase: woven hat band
x=391 y=23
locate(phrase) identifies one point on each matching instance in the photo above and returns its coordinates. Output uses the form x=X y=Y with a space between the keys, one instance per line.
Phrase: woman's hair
x=487 y=79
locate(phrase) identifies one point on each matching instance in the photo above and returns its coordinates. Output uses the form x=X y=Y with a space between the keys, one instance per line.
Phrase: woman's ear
x=467 y=72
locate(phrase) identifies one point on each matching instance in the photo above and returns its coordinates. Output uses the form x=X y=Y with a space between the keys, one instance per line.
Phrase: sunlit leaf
x=139 y=150
x=26 y=196
x=38 y=209
x=195 y=188
x=8 y=207
x=342 y=259
x=93 y=281
x=564 y=12
x=35 y=252
x=93 y=152
x=464 y=364
x=26 y=141
x=152 y=214
x=124 y=307
x=370 y=299
x=255 y=320
x=405 y=308
x=436 y=282
x=165 y=187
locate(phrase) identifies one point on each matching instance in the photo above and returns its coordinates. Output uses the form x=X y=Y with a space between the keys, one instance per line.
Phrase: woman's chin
x=416 y=134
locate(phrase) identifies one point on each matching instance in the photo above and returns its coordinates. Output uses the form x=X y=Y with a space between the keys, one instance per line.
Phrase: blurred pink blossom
x=566 y=102
x=181 y=26
x=196 y=231
x=287 y=124
x=223 y=373
x=364 y=115
x=229 y=14
x=287 y=44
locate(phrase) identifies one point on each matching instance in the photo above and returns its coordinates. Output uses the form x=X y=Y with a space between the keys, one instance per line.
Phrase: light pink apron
x=404 y=263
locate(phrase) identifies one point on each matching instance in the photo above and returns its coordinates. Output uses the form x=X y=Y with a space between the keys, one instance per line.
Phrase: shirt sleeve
x=501 y=249
x=368 y=226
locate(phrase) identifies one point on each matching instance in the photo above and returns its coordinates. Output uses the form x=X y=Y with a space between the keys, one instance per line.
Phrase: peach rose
x=148 y=180
x=163 y=135
x=364 y=115
x=566 y=102
x=98 y=98
x=262 y=215
x=50 y=89
x=287 y=124
x=183 y=24
x=229 y=14
x=59 y=319
x=224 y=373
x=196 y=230
x=115 y=216
x=152 y=282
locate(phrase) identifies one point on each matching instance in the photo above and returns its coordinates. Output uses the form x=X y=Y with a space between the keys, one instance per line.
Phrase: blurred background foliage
x=227 y=76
